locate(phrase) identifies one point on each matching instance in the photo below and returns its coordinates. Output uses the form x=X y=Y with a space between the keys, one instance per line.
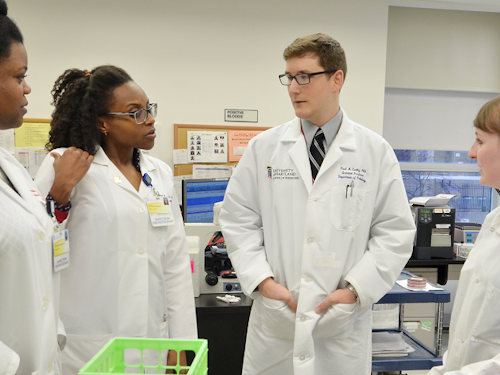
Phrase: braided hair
x=9 y=32
x=80 y=97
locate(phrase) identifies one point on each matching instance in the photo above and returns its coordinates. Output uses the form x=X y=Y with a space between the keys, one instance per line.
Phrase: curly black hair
x=80 y=97
x=9 y=32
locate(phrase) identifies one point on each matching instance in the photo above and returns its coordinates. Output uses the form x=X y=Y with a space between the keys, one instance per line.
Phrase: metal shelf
x=423 y=358
x=398 y=294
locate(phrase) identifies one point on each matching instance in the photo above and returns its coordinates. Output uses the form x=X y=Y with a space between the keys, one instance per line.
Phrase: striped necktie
x=317 y=152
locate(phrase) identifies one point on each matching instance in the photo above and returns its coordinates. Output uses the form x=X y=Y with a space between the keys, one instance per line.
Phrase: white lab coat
x=28 y=286
x=474 y=345
x=126 y=278
x=313 y=240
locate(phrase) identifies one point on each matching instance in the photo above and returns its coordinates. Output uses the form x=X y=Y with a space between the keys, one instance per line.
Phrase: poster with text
x=207 y=147
x=238 y=142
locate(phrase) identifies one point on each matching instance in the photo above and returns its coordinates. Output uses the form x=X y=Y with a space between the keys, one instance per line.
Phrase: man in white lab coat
x=315 y=242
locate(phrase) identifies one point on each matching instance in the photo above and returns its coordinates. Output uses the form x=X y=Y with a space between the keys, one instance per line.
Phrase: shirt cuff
x=61 y=211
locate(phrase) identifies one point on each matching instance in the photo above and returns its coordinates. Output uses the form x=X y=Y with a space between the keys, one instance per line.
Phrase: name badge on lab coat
x=160 y=212
x=60 y=246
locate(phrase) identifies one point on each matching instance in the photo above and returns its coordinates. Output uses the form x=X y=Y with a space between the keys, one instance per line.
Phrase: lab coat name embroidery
x=353 y=173
x=281 y=173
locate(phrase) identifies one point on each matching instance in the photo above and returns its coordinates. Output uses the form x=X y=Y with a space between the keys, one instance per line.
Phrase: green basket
x=111 y=358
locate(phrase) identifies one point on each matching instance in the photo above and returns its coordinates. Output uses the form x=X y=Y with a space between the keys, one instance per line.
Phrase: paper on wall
x=7 y=140
x=207 y=147
x=181 y=156
x=30 y=158
x=238 y=142
x=211 y=171
x=32 y=134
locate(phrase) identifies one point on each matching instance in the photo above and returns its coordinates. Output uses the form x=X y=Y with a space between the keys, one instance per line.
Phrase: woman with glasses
x=129 y=273
x=29 y=294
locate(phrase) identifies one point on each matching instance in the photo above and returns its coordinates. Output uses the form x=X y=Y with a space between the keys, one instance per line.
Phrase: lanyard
x=50 y=207
x=149 y=182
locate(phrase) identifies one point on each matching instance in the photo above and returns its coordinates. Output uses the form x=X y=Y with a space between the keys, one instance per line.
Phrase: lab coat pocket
x=338 y=319
x=487 y=326
x=278 y=320
x=346 y=206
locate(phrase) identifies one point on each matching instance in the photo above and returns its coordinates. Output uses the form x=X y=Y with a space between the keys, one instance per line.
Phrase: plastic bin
x=115 y=357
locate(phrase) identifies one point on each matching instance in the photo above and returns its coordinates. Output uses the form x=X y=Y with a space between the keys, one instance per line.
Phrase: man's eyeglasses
x=140 y=115
x=301 y=78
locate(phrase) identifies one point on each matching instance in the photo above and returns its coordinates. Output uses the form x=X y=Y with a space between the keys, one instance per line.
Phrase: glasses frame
x=303 y=74
x=134 y=113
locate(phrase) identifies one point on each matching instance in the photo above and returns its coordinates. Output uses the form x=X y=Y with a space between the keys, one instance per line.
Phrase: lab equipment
x=218 y=267
x=216 y=274
x=466 y=232
x=462 y=250
x=435 y=232
x=198 y=198
x=194 y=258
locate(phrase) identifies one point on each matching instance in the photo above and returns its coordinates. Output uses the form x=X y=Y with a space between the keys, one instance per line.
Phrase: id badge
x=160 y=212
x=60 y=246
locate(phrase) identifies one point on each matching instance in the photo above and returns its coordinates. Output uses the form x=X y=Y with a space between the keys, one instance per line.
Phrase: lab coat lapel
x=344 y=141
x=113 y=173
x=298 y=152
x=28 y=197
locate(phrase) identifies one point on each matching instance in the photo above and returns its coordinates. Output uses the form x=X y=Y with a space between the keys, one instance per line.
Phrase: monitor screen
x=198 y=198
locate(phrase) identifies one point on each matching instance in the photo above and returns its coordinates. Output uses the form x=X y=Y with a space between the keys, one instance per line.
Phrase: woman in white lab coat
x=474 y=345
x=127 y=277
x=29 y=294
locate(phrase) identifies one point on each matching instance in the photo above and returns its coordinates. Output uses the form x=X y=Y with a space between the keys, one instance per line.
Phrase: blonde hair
x=488 y=118
x=330 y=54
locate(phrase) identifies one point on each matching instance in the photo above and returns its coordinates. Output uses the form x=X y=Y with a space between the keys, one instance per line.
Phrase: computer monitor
x=198 y=198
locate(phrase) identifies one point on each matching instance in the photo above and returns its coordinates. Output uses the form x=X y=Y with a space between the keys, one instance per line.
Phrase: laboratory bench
x=224 y=325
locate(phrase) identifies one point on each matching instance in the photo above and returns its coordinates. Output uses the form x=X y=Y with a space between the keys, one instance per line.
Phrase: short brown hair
x=329 y=52
x=488 y=118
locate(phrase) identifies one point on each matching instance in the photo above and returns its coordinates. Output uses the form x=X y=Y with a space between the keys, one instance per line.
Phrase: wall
x=443 y=50
x=197 y=58
x=442 y=66
x=431 y=119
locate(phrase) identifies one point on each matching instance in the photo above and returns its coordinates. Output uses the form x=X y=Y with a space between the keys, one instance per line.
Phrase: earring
x=105 y=132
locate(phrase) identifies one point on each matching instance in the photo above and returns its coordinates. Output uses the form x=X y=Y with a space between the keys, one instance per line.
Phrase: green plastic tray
x=111 y=358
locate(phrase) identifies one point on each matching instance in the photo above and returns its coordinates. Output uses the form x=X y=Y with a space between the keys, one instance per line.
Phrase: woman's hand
x=69 y=169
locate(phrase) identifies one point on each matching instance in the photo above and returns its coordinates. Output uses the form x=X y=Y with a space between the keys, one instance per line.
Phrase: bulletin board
x=181 y=140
